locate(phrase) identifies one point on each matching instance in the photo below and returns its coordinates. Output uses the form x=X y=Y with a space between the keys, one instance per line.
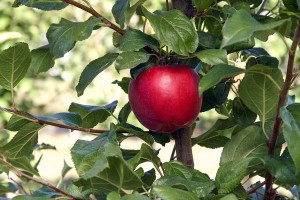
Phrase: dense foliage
x=259 y=125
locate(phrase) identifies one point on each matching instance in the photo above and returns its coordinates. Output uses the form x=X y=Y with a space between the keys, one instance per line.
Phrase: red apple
x=165 y=98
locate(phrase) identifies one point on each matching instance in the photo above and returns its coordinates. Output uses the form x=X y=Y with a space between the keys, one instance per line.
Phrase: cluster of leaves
x=219 y=30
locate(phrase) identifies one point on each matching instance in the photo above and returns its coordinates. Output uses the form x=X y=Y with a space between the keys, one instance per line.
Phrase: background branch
x=269 y=192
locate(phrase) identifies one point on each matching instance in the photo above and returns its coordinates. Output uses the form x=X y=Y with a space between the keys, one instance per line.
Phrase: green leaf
x=124 y=113
x=202 y=5
x=117 y=177
x=194 y=181
x=242 y=114
x=23 y=197
x=131 y=59
x=92 y=115
x=230 y=174
x=67 y=118
x=93 y=69
x=241 y=26
x=44 y=4
x=146 y=153
x=165 y=192
x=134 y=131
x=16 y=122
x=134 y=197
x=133 y=40
x=200 y=188
x=259 y=91
x=174 y=30
x=291 y=131
x=208 y=40
x=124 y=83
x=293 y=109
x=42 y=59
x=218 y=135
x=14 y=63
x=119 y=9
x=216 y=74
x=23 y=163
x=213 y=56
x=113 y=196
x=283 y=169
x=23 y=142
x=229 y=197
x=247 y=143
x=91 y=157
x=63 y=36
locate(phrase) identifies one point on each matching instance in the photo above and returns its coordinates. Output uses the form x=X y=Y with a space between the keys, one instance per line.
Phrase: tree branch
x=20 y=174
x=269 y=192
x=96 y=14
x=183 y=146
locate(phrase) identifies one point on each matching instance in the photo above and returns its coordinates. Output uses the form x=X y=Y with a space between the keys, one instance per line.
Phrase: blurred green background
x=53 y=91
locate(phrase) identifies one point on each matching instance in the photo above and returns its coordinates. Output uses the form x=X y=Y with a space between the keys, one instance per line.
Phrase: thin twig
x=31 y=118
x=172 y=157
x=269 y=192
x=96 y=14
x=40 y=181
x=256 y=188
x=262 y=7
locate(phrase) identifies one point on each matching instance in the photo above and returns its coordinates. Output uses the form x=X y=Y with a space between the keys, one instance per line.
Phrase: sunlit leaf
x=291 y=131
x=146 y=153
x=63 y=36
x=259 y=91
x=174 y=29
x=131 y=59
x=23 y=142
x=14 y=63
x=165 y=192
x=241 y=26
x=247 y=143
x=213 y=56
x=216 y=74
x=133 y=40
x=231 y=174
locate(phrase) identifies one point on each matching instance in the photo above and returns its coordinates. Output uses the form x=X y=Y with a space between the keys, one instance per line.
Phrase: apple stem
x=183 y=146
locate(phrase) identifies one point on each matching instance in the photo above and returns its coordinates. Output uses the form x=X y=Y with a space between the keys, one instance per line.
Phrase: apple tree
x=197 y=55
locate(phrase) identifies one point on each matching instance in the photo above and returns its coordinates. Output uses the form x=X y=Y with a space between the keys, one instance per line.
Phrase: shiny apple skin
x=165 y=98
